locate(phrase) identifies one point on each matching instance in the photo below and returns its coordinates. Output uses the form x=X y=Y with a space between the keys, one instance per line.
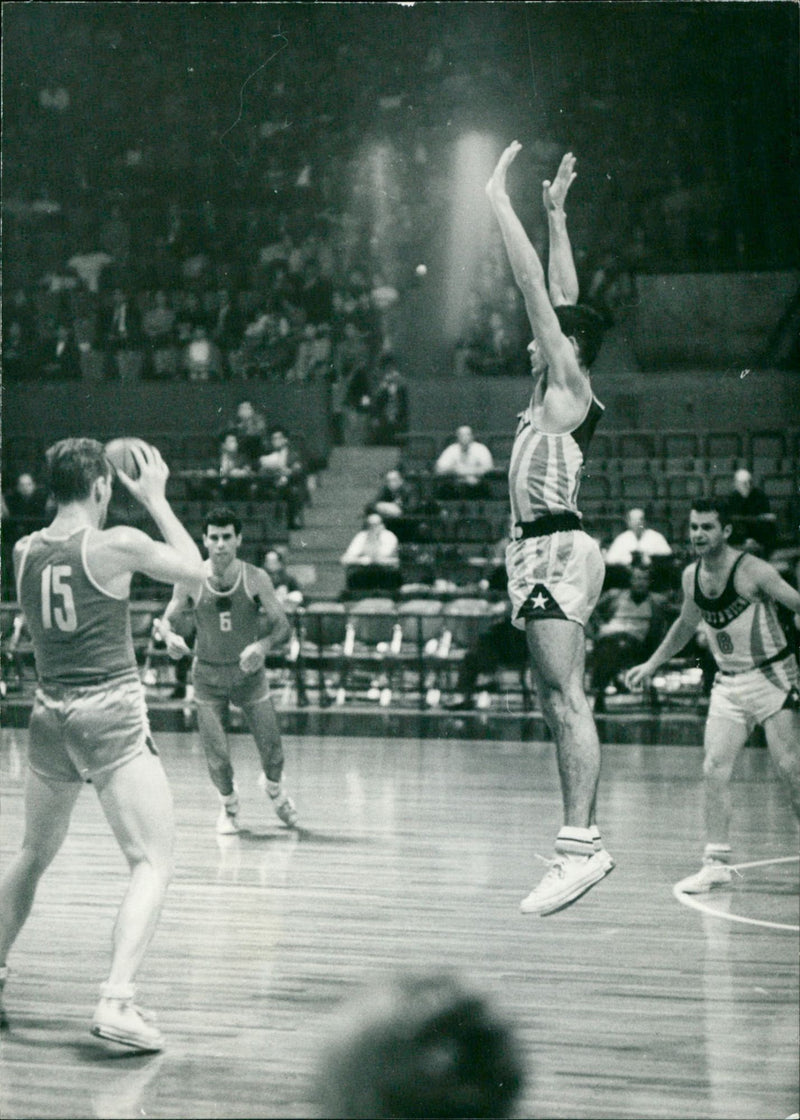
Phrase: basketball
x=120 y=454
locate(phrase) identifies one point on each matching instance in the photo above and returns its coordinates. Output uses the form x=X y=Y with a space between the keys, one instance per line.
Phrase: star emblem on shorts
x=541 y=604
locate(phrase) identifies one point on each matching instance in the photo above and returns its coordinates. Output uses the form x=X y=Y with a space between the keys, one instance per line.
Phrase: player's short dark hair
x=420 y=1045
x=72 y=467
x=585 y=325
x=221 y=516
x=713 y=505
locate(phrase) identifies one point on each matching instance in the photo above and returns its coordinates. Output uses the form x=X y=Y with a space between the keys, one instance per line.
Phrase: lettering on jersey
x=225 y=622
x=725 y=642
x=719 y=619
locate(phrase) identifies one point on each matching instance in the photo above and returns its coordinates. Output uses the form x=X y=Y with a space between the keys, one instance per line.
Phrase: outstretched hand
x=153 y=474
x=496 y=187
x=554 y=194
x=638 y=676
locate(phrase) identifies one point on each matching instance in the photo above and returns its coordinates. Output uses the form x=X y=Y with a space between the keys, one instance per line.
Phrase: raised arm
x=562 y=277
x=562 y=364
x=681 y=632
x=123 y=550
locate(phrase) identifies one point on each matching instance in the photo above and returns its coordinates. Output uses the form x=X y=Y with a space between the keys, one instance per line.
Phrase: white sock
x=274 y=788
x=575 y=841
x=720 y=853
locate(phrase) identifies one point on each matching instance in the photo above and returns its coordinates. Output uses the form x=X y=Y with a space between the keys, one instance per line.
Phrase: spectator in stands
x=283 y=465
x=316 y=294
x=287 y=588
x=158 y=327
x=627 y=625
x=501 y=646
x=419 y=1045
x=19 y=337
x=250 y=426
x=201 y=359
x=395 y=497
x=227 y=328
x=389 y=406
x=754 y=523
x=372 y=558
x=158 y=322
x=637 y=544
x=119 y=330
x=24 y=510
x=60 y=356
x=462 y=465
x=232 y=463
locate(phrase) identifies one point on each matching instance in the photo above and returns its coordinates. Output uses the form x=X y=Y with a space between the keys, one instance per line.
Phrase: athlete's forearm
x=562 y=276
x=274 y=631
x=523 y=258
x=174 y=533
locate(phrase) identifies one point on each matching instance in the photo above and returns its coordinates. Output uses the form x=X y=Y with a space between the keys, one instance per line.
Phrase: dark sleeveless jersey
x=545 y=470
x=742 y=634
x=227 y=621
x=81 y=633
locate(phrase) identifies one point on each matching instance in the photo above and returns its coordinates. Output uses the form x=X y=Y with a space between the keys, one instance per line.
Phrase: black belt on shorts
x=548 y=523
x=779 y=656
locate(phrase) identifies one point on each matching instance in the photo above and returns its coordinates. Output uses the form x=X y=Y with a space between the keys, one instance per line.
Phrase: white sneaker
x=120 y=1020
x=713 y=873
x=228 y=819
x=568 y=877
x=284 y=807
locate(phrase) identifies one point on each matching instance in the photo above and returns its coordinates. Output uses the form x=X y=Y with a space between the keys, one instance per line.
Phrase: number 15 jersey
x=81 y=633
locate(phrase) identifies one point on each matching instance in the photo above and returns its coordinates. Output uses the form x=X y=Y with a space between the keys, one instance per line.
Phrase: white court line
x=694 y=903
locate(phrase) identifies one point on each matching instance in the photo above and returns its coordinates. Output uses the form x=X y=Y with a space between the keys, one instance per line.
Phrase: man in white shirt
x=372 y=557
x=637 y=539
x=463 y=464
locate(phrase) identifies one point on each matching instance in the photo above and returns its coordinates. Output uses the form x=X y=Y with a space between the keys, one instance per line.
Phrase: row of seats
x=394 y=652
x=422 y=447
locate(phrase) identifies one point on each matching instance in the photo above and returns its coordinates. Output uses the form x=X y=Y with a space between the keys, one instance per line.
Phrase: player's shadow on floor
x=305 y=836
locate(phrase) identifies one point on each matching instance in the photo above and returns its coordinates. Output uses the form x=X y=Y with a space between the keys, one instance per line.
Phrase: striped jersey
x=742 y=634
x=545 y=470
x=227 y=621
x=81 y=633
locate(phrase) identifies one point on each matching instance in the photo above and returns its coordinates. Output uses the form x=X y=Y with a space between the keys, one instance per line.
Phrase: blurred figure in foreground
x=419 y=1046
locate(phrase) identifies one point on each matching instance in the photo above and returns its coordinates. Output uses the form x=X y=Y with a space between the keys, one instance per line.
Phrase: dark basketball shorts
x=78 y=733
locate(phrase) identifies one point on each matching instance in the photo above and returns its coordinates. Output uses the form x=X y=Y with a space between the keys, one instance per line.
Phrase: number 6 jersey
x=81 y=633
x=227 y=621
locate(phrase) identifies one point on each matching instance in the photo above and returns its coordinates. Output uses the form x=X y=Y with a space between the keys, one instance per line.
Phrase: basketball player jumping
x=555 y=570
x=745 y=608
x=238 y=620
x=89 y=721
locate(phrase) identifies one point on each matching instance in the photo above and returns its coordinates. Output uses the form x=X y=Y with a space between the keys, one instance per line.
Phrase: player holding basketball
x=744 y=607
x=239 y=620
x=555 y=570
x=89 y=721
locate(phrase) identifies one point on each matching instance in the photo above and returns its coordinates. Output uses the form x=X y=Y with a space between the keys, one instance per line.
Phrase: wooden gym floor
x=416 y=852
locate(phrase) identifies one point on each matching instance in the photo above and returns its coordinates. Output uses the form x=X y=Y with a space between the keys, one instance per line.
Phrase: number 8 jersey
x=81 y=633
